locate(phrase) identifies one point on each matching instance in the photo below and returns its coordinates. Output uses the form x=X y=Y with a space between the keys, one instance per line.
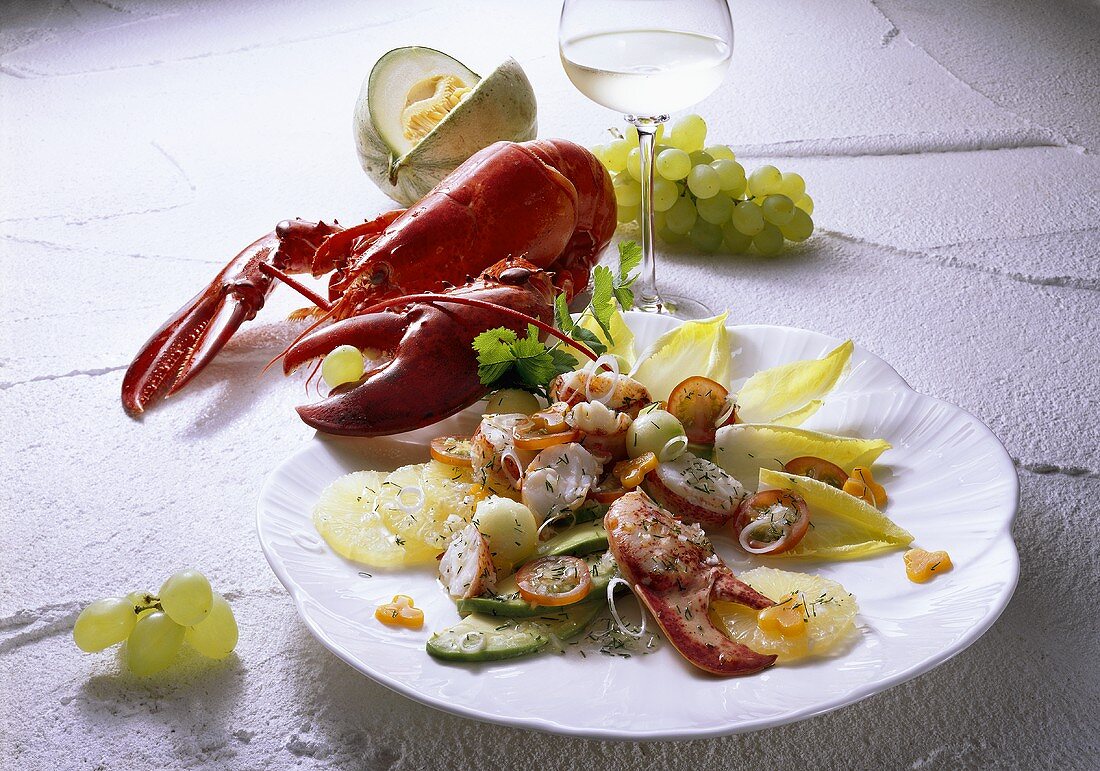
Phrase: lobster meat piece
x=673 y=569
x=428 y=368
x=548 y=201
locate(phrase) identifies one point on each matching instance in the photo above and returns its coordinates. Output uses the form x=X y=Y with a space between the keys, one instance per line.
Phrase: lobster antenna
x=296 y=285
x=503 y=309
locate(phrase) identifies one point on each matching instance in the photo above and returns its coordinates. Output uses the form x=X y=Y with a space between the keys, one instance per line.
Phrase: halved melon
x=421 y=113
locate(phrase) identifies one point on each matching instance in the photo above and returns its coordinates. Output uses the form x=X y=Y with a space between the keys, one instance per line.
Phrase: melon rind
x=500 y=107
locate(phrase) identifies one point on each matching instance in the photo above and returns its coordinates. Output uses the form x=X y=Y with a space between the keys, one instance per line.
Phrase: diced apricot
x=863 y=486
x=632 y=472
x=400 y=612
x=921 y=565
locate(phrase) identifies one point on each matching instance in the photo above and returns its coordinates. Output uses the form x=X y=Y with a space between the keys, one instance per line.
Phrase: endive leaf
x=781 y=390
x=842 y=527
x=620 y=333
x=744 y=448
x=693 y=348
x=799 y=416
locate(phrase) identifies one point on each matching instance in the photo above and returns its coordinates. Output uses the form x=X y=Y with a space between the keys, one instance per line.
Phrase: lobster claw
x=428 y=369
x=189 y=340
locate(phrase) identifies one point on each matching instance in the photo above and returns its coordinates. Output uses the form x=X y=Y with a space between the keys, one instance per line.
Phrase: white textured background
x=951 y=150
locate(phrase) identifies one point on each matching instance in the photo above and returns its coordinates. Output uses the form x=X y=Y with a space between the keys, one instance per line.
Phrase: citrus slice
x=347 y=518
x=824 y=609
x=424 y=504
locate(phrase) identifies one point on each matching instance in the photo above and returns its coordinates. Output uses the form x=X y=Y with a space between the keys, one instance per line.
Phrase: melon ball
x=510 y=529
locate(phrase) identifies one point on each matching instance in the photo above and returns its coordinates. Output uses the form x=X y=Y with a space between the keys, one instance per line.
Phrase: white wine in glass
x=647 y=58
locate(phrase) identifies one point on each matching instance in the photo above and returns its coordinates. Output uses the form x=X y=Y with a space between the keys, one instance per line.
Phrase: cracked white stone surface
x=952 y=153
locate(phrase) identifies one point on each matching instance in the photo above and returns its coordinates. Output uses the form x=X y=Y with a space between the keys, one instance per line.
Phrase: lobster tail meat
x=674 y=571
x=428 y=368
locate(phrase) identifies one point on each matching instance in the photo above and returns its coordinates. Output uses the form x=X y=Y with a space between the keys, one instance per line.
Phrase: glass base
x=678 y=307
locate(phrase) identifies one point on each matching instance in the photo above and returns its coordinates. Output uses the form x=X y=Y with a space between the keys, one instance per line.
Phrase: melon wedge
x=421 y=113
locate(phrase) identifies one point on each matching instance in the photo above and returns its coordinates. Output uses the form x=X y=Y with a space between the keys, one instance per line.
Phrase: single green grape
x=799 y=228
x=731 y=176
x=615 y=155
x=659 y=148
x=104 y=623
x=186 y=597
x=689 y=133
x=747 y=218
x=343 y=364
x=716 y=209
x=769 y=241
x=665 y=194
x=658 y=432
x=777 y=209
x=681 y=216
x=154 y=643
x=673 y=164
x=626 y=213
x=511 y=401
x=720 y=153
x=216 y=635
x=634 y=164
x=805 y=203
x=600 y=151
x=703 y=182
x=705 y=236
x=734 y=240
x=700 y=158
x=792 y=185
x=669 y=237
x=765 y=180
x=628 y=193
x=145 y=600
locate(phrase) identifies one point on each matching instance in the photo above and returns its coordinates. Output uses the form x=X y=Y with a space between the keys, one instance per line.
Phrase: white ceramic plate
x=951 y=484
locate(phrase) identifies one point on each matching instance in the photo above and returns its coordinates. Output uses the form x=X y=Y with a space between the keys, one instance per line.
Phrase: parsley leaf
x=562 y=318
x=505 y=359
x=630 y=257
x=603 y=306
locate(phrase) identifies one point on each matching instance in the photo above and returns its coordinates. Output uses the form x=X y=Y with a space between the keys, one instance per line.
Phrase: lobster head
x=426 y=369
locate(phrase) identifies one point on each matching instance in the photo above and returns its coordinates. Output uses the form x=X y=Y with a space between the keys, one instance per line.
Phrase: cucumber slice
x=577 y=541
x=485 y=638
x=508 y=603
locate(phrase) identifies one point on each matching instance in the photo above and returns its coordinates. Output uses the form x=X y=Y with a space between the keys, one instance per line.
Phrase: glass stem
x=646 y=297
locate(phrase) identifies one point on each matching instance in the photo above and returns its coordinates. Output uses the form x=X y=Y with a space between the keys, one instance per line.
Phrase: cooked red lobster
x=549 y=202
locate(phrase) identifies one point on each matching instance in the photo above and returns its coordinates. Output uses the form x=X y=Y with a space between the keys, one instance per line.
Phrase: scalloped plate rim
x=1004 y=540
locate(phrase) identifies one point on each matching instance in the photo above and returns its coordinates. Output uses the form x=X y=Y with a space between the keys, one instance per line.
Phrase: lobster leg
x=188 y=341
x=193 y=336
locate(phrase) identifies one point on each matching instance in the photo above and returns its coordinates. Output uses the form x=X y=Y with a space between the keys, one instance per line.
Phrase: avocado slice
x=577 y=541
x=485 y=638
x=508 y=603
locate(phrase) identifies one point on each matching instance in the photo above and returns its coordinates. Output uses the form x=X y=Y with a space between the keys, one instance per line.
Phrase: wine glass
x=647 y=58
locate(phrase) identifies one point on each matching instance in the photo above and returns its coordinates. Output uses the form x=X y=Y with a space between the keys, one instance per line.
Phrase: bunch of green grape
x=155 y=627
x=702 y=195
